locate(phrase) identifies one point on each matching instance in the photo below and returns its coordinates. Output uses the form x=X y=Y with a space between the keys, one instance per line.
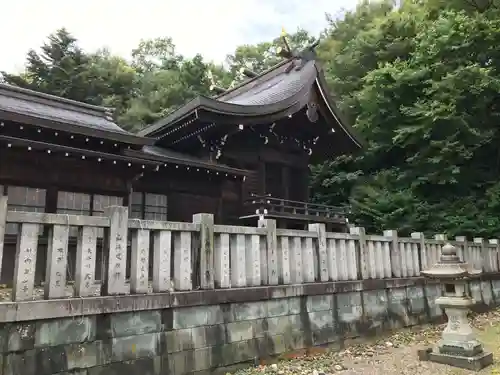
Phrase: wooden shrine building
x=243 y=153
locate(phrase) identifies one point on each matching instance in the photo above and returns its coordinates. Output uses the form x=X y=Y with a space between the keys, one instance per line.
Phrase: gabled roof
x=281 y=91
x=36 y=108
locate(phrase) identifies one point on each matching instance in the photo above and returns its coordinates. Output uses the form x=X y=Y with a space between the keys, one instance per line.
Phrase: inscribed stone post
x=25 y=264
x=308 y=260
x=395 y=253
x=271 y=245
x=85 y=261
x=296 y=260
x=182 y=261
x=479 y=255
x=139 y=262
x=363 y=251
x=494 y=254
x=206 y=256
x=463 y=248
x=221 y=255
x=162 y=254
x=116 y=250
x=321 y=249
x=252 y=260
x=283 y=243
x=238 y=260
x=422 y=253
x=57 y=259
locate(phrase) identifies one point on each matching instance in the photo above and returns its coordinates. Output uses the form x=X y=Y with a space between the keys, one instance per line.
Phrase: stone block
x=475 y=363
x=278 y=325
x=143 y=366
x=416 y=299
x=129 y=324
x=239 y=331
x=260 y=327
x=19 y=336
x=295 y=340
x=215 y=335
x=350 y=313
x=180 y=363
x=294 y=305
x=475 y=291
x=320 y=303
x=248 y=311
x=199 y=336
x=271 y=345
x=487 y=293
x=375 y=303
x=324 y=335
x=202 y=359
x=83 y=356
x=214 y=314
x=349 y=307
x=65 y=331
x=4 y=332
x=432 y=292
x=398 y=306
x=176 y=341
x=244 y=351
x=20 y=363
x=278 y=307
x=495 y=286
x=188 y=317
x=134 y=347
x=321 y=319
x=375 y=306
x=296 y=322
x=51 y=360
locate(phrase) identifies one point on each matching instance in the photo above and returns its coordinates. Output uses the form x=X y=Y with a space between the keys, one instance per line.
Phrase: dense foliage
x=420 y=81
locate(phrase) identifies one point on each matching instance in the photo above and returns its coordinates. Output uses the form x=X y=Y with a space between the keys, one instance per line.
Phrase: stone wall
x=204 y=332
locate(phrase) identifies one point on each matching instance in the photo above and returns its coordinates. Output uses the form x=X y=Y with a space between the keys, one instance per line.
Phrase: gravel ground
x=392 y=355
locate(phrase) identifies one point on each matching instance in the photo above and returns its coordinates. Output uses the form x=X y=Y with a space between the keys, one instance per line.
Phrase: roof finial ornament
x=306 y=54
x=213 y=86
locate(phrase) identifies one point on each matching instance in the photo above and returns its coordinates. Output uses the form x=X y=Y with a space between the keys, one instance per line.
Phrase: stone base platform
x=474 y=363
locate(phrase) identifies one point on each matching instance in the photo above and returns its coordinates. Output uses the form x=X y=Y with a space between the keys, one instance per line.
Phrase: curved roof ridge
x=50 y=111
x=232 y=90
x=54 y=101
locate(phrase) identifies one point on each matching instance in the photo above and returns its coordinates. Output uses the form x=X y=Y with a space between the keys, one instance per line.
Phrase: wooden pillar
x=51 y=199
x=262 y=177
x=285 y=176
x=3 y=224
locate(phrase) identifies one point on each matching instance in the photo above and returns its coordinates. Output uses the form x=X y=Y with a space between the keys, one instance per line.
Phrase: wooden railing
x=142 y=256
x=265 y=205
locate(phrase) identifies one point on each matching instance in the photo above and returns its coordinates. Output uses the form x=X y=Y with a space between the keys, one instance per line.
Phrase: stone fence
x=159 y=298
x=141 y=256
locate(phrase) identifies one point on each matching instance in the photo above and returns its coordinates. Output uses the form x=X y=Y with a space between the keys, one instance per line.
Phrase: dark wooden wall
x=281 y=173
x=195 y=191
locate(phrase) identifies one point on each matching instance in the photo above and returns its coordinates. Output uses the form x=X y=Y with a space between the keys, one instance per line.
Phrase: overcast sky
x=211 y=27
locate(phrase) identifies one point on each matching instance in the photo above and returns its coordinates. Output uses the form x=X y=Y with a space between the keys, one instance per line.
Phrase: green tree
x=428 y=109
x=60 y=69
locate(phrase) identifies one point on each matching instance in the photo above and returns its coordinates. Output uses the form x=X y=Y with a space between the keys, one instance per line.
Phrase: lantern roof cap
x=449 y=266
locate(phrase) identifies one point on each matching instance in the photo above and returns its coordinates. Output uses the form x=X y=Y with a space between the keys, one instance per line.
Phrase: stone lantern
x=458 y=345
